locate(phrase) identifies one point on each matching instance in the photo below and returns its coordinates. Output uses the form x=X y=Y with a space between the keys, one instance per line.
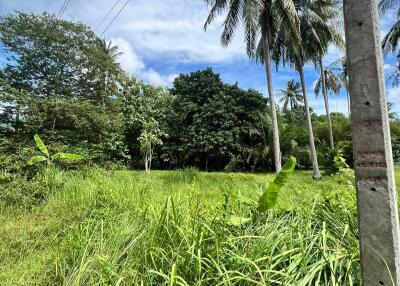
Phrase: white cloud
x=133 y=64
x=157 y=79
x=129 y=60
x=332 y=55
x=393 y=94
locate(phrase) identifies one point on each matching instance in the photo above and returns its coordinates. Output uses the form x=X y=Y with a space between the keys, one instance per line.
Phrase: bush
x=17 y=191
x=334 y=160
x=303 y=156
x=396 y=148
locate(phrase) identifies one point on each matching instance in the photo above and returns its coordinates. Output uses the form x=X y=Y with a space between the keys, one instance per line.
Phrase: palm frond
x=386 y=5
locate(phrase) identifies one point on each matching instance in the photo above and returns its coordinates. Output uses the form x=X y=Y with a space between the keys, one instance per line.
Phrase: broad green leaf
x=286 y=171
x=40 y=145
x=73 y=157
x=269 y=198
x=237 y=220
x=36 y=159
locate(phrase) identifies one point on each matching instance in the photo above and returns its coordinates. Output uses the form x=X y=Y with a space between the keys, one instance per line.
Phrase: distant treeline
x=61 y=81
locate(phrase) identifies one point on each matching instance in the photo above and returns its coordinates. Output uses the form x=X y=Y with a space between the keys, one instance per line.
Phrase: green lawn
x=173 y=228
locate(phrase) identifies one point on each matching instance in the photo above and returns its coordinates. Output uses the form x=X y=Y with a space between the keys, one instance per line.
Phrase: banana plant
x=46 y=157
x=269 y=198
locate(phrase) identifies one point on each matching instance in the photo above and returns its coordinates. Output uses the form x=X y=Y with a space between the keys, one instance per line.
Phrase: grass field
x=101 y=227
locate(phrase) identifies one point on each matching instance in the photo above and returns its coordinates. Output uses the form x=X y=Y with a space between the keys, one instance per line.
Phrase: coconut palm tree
x=111 y=53
x=339 y=67
x=391 y=40
x=315 y=36
x=291 y=96
x=328 y=81
x=261 y=20
x=329 y=13
x=394 y=76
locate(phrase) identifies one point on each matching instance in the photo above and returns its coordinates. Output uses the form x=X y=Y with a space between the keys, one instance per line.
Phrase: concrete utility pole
x=376 y=191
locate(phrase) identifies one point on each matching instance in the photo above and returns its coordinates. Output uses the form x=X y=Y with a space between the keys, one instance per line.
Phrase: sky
x=162 y=38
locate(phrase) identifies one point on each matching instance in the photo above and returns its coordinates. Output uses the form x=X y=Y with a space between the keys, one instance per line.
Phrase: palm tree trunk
x=348 y=102
x=328 y=115
x=275 y=130
x=316 y=173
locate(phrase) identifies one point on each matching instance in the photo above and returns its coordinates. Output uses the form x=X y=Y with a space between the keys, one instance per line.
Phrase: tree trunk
x=326 y=102
x=378 y=220
x=348 y=103
x=275 y=130
x=314 y=159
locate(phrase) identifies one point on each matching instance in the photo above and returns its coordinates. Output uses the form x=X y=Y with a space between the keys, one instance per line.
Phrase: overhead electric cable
x=108 y=14
x=63 y=8
x=116 y=16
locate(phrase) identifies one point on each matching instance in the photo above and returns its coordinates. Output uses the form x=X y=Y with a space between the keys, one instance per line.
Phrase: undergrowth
x=99 y=227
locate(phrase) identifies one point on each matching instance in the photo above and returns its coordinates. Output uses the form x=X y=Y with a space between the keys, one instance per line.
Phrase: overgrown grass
x=171 y=228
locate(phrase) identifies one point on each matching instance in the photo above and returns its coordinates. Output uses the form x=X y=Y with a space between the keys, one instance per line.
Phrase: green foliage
x=270 y=196
x=89 y=229
x=36 y=159
x=145 y=111
x=60 y=80
x=49 y=158
x=212 y=123
x=334 y=161
x=396 y=148
x=40 y=145
x=340 y=126
x=47 y=56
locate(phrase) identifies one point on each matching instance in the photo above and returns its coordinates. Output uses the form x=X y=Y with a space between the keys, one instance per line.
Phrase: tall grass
x=172 y=228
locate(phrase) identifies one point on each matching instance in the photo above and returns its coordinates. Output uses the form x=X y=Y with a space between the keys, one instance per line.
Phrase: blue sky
x=162 y=38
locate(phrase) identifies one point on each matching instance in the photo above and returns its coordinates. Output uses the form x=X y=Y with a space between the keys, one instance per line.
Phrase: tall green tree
x=329 y=82
x=47 y=56
x=212 y=124
x=110 y=70
x=328 y=12
x=390 y=41
x=53 y=83
x=261 y=19
x=340 y=68
x=291 y=96
x=315 y=36
x=145 y=110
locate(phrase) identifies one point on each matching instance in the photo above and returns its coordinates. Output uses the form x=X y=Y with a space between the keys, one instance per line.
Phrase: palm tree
x=261 y=20
x=329 y=82
x=330 y=14
x=340 y=68
x=394 y=76
x=291 y=95
x=111 y=53
x=315 y=36
x=391 y=40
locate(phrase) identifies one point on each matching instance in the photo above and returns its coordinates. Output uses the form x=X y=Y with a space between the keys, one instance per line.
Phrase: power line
x=116 y=16
x=108 y=14
x=63 y=8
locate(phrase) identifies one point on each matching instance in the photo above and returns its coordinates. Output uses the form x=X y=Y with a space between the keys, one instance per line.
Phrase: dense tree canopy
x=219 y=122
x=63 y=82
